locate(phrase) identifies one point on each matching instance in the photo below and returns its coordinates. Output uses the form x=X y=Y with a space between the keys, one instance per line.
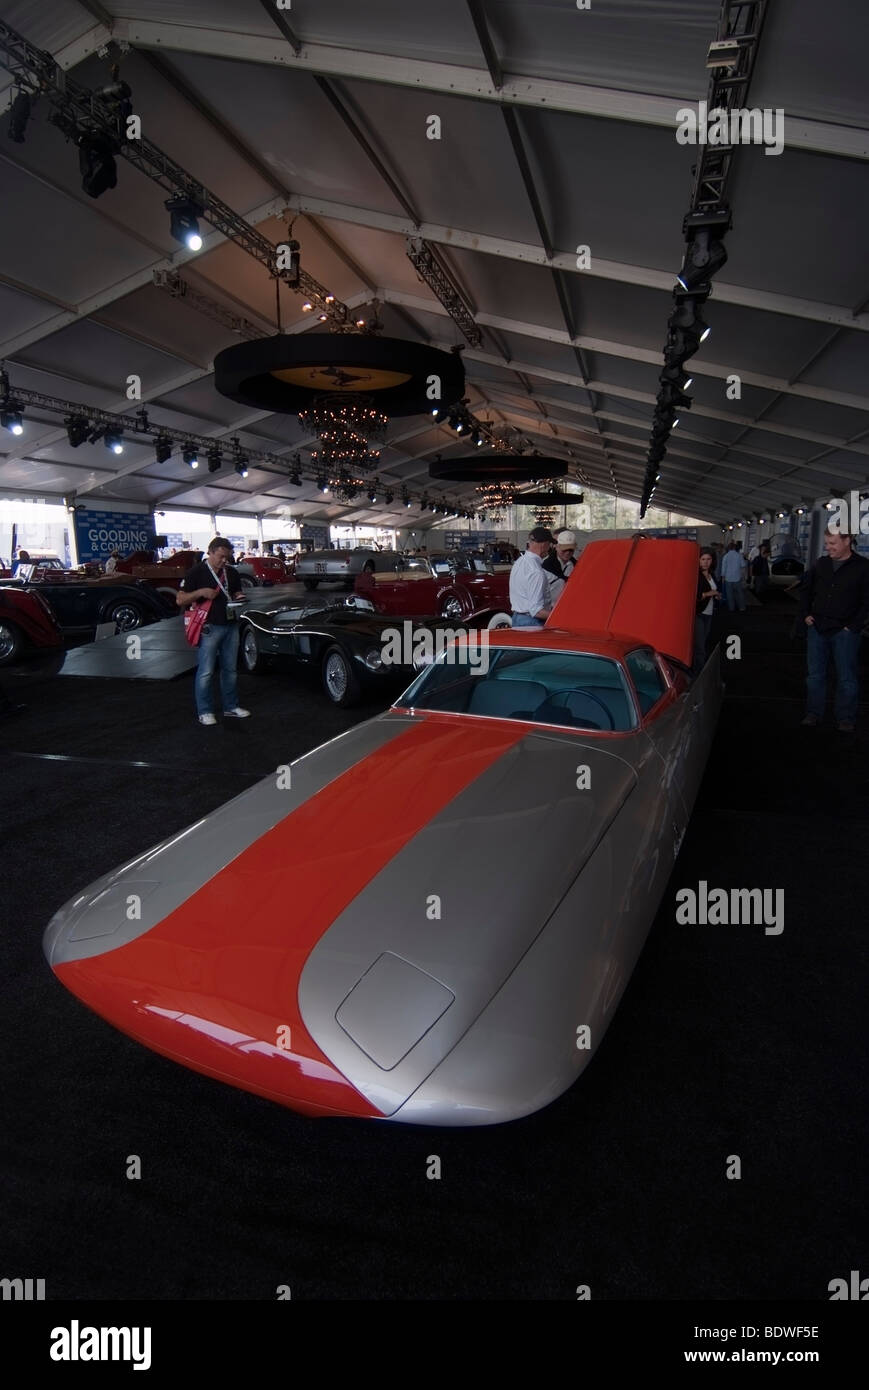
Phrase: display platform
x=155 y=653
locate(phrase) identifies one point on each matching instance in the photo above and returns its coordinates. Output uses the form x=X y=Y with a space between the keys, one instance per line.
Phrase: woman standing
x=707 y=595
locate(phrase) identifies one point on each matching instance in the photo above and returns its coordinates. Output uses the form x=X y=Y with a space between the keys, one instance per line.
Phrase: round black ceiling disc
x=496 y=468
x=286 y=373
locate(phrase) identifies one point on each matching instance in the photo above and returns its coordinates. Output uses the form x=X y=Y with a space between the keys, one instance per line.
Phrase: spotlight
x=322 y=484
x=10 y=418
x=406 y=500
x=323 y=317
x=440 y=413
x=295 y=476
x=241 y=467
x=360 y=323
x=672 y=395
x=677 y=376
x=215 y=460
x=114 y=441
x=96 y=163
x=705 y=255
x=372 y=496
x=184 y=217
x=388 y=498
x=163 y=446
x=307 y=307
x=190 y=457
x=19 y=115
x=76 y=429
x=330 y=299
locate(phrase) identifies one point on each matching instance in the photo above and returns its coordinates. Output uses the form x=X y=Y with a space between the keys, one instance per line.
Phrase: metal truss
x=426 y=264
x=77 y=110
x=179 y=288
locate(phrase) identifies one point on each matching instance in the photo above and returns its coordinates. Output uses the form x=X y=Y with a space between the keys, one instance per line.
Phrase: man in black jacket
x=835 y=608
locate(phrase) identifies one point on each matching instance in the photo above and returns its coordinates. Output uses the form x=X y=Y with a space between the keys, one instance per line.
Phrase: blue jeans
x=734 y=593
x=843 y=646
x=525 y=620
x=218 y=643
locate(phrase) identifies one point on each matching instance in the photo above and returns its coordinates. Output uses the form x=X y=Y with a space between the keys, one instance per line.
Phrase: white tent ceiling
x=234 y=91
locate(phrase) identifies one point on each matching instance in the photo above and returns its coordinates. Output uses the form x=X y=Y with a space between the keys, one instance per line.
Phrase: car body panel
x=464 y=905
x=31 y=614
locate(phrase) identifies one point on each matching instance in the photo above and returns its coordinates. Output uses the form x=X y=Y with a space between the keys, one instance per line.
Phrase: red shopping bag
x=195 y=618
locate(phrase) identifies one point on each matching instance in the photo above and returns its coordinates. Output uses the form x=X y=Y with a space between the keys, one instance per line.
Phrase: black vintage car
x=80 y=604
x=343 y=637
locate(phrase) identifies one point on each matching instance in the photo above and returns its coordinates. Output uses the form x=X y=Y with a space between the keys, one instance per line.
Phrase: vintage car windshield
x=571 y=689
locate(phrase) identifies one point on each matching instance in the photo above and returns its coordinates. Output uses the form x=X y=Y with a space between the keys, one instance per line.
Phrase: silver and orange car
x=430 y=919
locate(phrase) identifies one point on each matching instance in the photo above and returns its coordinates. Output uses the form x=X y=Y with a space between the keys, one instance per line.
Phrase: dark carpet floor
x=727 y=1042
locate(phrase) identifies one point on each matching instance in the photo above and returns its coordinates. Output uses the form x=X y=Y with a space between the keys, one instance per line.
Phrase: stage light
x=241 y=468
x=96 y=163
x=77 y=427
x=323 y=317
x=114 y=441
x=11 y=418
x=360 y=323
x=19 y=115
x=372 y=496
x=215 y=460
x=322 y=484
x=388 y=498
x=163 y=446
x=704 y=256
x=330 y=299
x=307 y=307
x=190 y=456
x=671 y=395
x=184 y=217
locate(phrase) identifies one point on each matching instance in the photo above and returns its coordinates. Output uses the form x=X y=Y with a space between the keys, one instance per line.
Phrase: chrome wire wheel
x=336 y=676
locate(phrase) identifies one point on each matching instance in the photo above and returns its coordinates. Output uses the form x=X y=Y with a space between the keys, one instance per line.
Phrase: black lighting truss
x=179 y=288
x=77 y=110
x=424 y=260
x=88 y=421
x=732 y=58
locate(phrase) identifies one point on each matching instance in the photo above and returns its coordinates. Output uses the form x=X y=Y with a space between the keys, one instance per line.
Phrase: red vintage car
x=264 y=569
x=448 y=584
x=26 y=621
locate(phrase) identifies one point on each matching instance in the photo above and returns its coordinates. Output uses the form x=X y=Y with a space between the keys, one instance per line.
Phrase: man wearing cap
x=529 y=587
x=559 y=564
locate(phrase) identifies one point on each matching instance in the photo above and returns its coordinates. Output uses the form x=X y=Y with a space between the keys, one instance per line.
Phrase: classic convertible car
x=341 y=635
x=472 y=874
x=453 y=585
x=26 y=623
x=80 y=604
x=316 y=565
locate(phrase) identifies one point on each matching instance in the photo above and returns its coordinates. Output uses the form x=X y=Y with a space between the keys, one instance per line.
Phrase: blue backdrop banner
x=98 y=533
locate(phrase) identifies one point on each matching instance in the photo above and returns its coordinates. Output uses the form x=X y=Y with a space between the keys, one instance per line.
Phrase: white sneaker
x=207 y=719
x=237 y=713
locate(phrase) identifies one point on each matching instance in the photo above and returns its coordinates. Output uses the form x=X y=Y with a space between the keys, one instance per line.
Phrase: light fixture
x=330 y=299
x=190 y=456
x=360 y=323
x=114 y=441
x=705 y=254
x=388 y=498
x=184 y=217
x=241 y=467
x=323 y=317
x=322 y=484
x=96 y=163
x=19 y=115
x=307 y=307
x=215 y=459
x=163 y=446
x=77 y=427
x=11 y=418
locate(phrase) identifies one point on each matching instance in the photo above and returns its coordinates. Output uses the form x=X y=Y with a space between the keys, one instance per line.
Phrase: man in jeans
x=835 y=608
x=529 y=587
x=214 y=578
x=733 y=574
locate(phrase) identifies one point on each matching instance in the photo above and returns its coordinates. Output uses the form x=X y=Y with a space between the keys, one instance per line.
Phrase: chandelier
x=544 y=516
x=494 y=497
x=346 y=425
x=344 y=486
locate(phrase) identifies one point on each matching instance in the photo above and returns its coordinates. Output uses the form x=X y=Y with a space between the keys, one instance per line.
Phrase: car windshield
x=575 y=690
